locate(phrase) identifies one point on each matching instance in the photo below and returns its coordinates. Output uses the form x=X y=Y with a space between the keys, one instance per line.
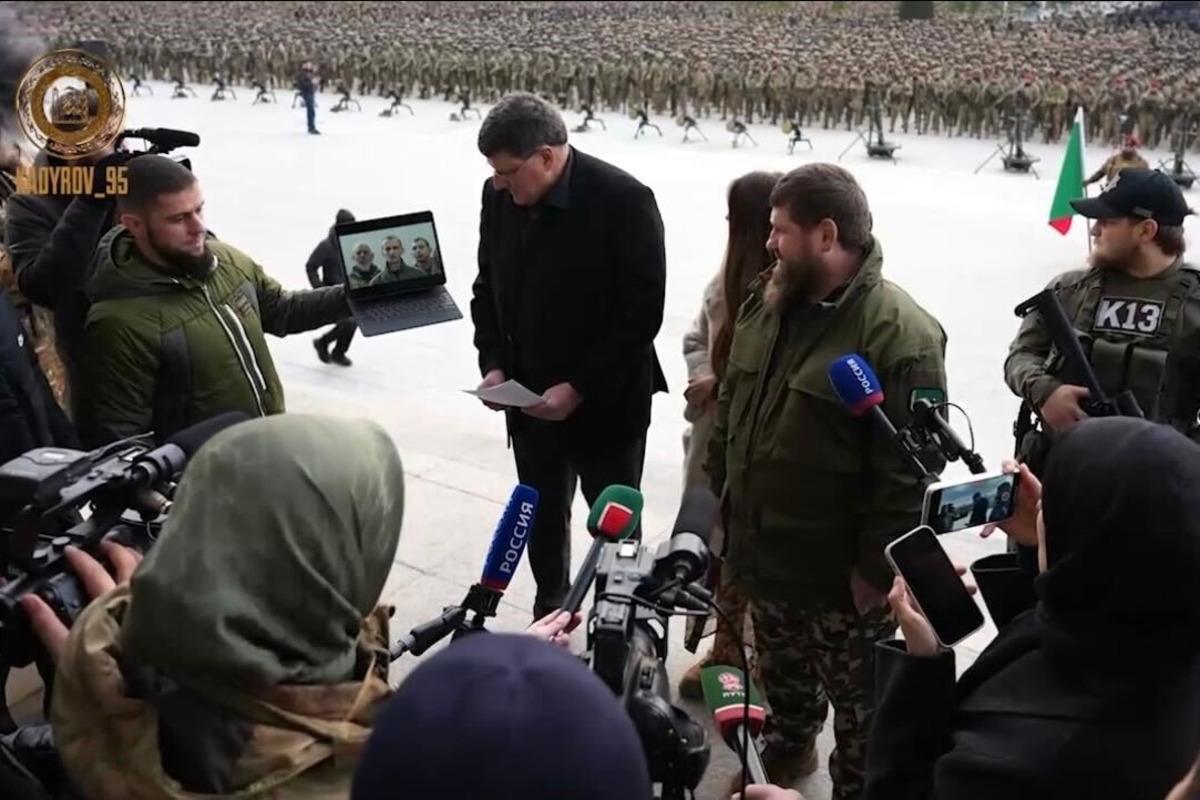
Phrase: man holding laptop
x=400 y=296
x=567 y=302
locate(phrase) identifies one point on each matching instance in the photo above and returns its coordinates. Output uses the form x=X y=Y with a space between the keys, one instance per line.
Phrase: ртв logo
x=71 y=104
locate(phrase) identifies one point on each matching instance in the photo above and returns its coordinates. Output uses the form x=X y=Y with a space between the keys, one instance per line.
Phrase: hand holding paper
x=505 y=394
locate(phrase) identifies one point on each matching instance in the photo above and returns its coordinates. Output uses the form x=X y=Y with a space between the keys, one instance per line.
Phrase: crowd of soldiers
x=806 y=64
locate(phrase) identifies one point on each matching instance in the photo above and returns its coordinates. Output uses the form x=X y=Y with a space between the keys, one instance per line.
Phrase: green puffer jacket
x=162 y=352
x=809 y=491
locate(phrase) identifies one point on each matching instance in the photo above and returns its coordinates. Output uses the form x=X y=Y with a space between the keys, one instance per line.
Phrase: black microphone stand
x=482 y=601
x=930 y=427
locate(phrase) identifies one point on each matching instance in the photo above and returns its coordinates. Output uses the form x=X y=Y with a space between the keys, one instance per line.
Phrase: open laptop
x=395 y=279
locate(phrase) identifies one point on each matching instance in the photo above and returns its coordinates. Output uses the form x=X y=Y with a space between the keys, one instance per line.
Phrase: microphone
x=858 y=389
x=684 y=557
x=504 y=554
x=509 y=540
x=166 y=138
x=168 y=460
x=615 y=516
x=951 y=444
x=726 y=693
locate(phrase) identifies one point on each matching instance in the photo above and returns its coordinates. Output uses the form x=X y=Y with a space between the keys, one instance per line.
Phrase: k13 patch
x=1126 y=315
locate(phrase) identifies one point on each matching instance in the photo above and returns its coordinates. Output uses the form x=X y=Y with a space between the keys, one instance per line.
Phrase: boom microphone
x=726 y=693
x=615 y=515
x=168 y=460
x=855 y=384
x=166 y=138
x=686 y=554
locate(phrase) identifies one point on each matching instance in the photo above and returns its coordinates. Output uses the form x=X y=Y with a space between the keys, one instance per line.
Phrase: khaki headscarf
x=281 y=538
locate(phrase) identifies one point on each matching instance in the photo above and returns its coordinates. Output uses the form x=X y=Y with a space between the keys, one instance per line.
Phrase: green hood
x=121 y=271
x=282 y=535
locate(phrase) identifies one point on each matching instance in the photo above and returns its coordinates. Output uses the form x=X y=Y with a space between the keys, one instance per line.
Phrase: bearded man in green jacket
x=175 y=331
x=812 y=495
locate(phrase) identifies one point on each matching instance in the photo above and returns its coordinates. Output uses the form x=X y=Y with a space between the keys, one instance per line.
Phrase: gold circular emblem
x=71 y=104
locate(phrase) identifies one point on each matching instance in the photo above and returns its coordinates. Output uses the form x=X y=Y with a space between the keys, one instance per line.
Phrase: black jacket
x=1035 y=717
x=29 y=415
x=324 y=267
x=52 y=241
x=574 y=293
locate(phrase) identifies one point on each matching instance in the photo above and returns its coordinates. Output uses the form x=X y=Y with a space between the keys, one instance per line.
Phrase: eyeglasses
x=508 y=173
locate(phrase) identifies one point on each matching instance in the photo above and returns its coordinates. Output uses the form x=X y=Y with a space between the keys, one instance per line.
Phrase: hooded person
x=1095 y=692
x=247 y=655
x=324 y=268
x=503 y=717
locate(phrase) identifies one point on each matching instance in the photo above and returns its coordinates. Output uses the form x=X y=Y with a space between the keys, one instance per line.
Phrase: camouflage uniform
x=791 y=464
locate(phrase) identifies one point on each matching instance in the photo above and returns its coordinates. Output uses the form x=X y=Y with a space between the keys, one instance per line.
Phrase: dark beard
x=788 y=282
x=1105 y=263
x=185 y=264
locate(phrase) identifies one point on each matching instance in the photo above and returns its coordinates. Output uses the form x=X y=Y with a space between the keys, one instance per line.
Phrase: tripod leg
x=602 y=125
x=989 y=158
x=702 y=136
x=751 y=138
x=853 y=142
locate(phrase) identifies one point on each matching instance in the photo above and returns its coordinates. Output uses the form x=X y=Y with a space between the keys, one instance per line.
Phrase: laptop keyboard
x=417 y=304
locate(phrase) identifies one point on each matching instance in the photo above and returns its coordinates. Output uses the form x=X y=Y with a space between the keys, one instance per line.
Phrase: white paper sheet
x=509 y=393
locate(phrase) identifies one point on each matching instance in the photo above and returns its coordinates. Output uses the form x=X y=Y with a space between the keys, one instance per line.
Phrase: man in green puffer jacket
x=175 y=332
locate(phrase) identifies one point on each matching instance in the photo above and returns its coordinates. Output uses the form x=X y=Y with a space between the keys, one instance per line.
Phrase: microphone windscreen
x=725 y=695
x=511 y=537
x=855 y=384
x=697 y=512
x=190 y=439
x=616 y=512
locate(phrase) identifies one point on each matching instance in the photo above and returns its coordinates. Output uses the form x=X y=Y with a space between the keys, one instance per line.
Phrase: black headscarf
x=1121 y=505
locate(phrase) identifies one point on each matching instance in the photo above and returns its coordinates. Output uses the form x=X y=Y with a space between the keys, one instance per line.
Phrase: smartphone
x=957 y=505
x=918 y=557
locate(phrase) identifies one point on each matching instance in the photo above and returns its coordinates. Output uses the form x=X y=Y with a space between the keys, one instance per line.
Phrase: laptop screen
x=389 y=255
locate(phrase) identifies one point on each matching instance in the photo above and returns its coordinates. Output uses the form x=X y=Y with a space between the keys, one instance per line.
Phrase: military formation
x=976 y=75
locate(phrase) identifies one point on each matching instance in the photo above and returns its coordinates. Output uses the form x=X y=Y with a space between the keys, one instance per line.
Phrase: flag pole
x=1087 y=228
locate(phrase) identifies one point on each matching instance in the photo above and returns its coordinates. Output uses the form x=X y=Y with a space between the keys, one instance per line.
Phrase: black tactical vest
x=1143 y=335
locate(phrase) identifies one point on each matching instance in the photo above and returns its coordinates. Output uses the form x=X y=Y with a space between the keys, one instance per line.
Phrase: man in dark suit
x=568 y=300
x=324 y=268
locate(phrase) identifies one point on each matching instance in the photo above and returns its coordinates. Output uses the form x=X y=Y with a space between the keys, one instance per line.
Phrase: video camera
x=161 y=140
x=637 y=591
x=52 y=498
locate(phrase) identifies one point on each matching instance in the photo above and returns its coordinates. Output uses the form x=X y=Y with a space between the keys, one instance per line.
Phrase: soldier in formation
x=754 y=62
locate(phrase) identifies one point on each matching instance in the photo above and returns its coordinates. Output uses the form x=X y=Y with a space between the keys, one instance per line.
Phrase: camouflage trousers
x=811 y=656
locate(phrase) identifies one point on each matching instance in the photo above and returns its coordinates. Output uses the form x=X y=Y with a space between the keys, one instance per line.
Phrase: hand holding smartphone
x=979 y=500
x=934 y=582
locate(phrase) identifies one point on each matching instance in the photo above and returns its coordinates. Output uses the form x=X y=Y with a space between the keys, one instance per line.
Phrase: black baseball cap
x=1142 y=193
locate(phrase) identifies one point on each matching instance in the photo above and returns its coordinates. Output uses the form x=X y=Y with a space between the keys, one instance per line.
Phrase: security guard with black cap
x=1137 y=308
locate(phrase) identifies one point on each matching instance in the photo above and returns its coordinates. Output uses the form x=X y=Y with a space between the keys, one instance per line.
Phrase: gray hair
x=519 y=124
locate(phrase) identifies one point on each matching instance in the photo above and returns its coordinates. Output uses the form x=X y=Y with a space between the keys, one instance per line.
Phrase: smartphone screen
x=951 y=507
x=919 y=558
